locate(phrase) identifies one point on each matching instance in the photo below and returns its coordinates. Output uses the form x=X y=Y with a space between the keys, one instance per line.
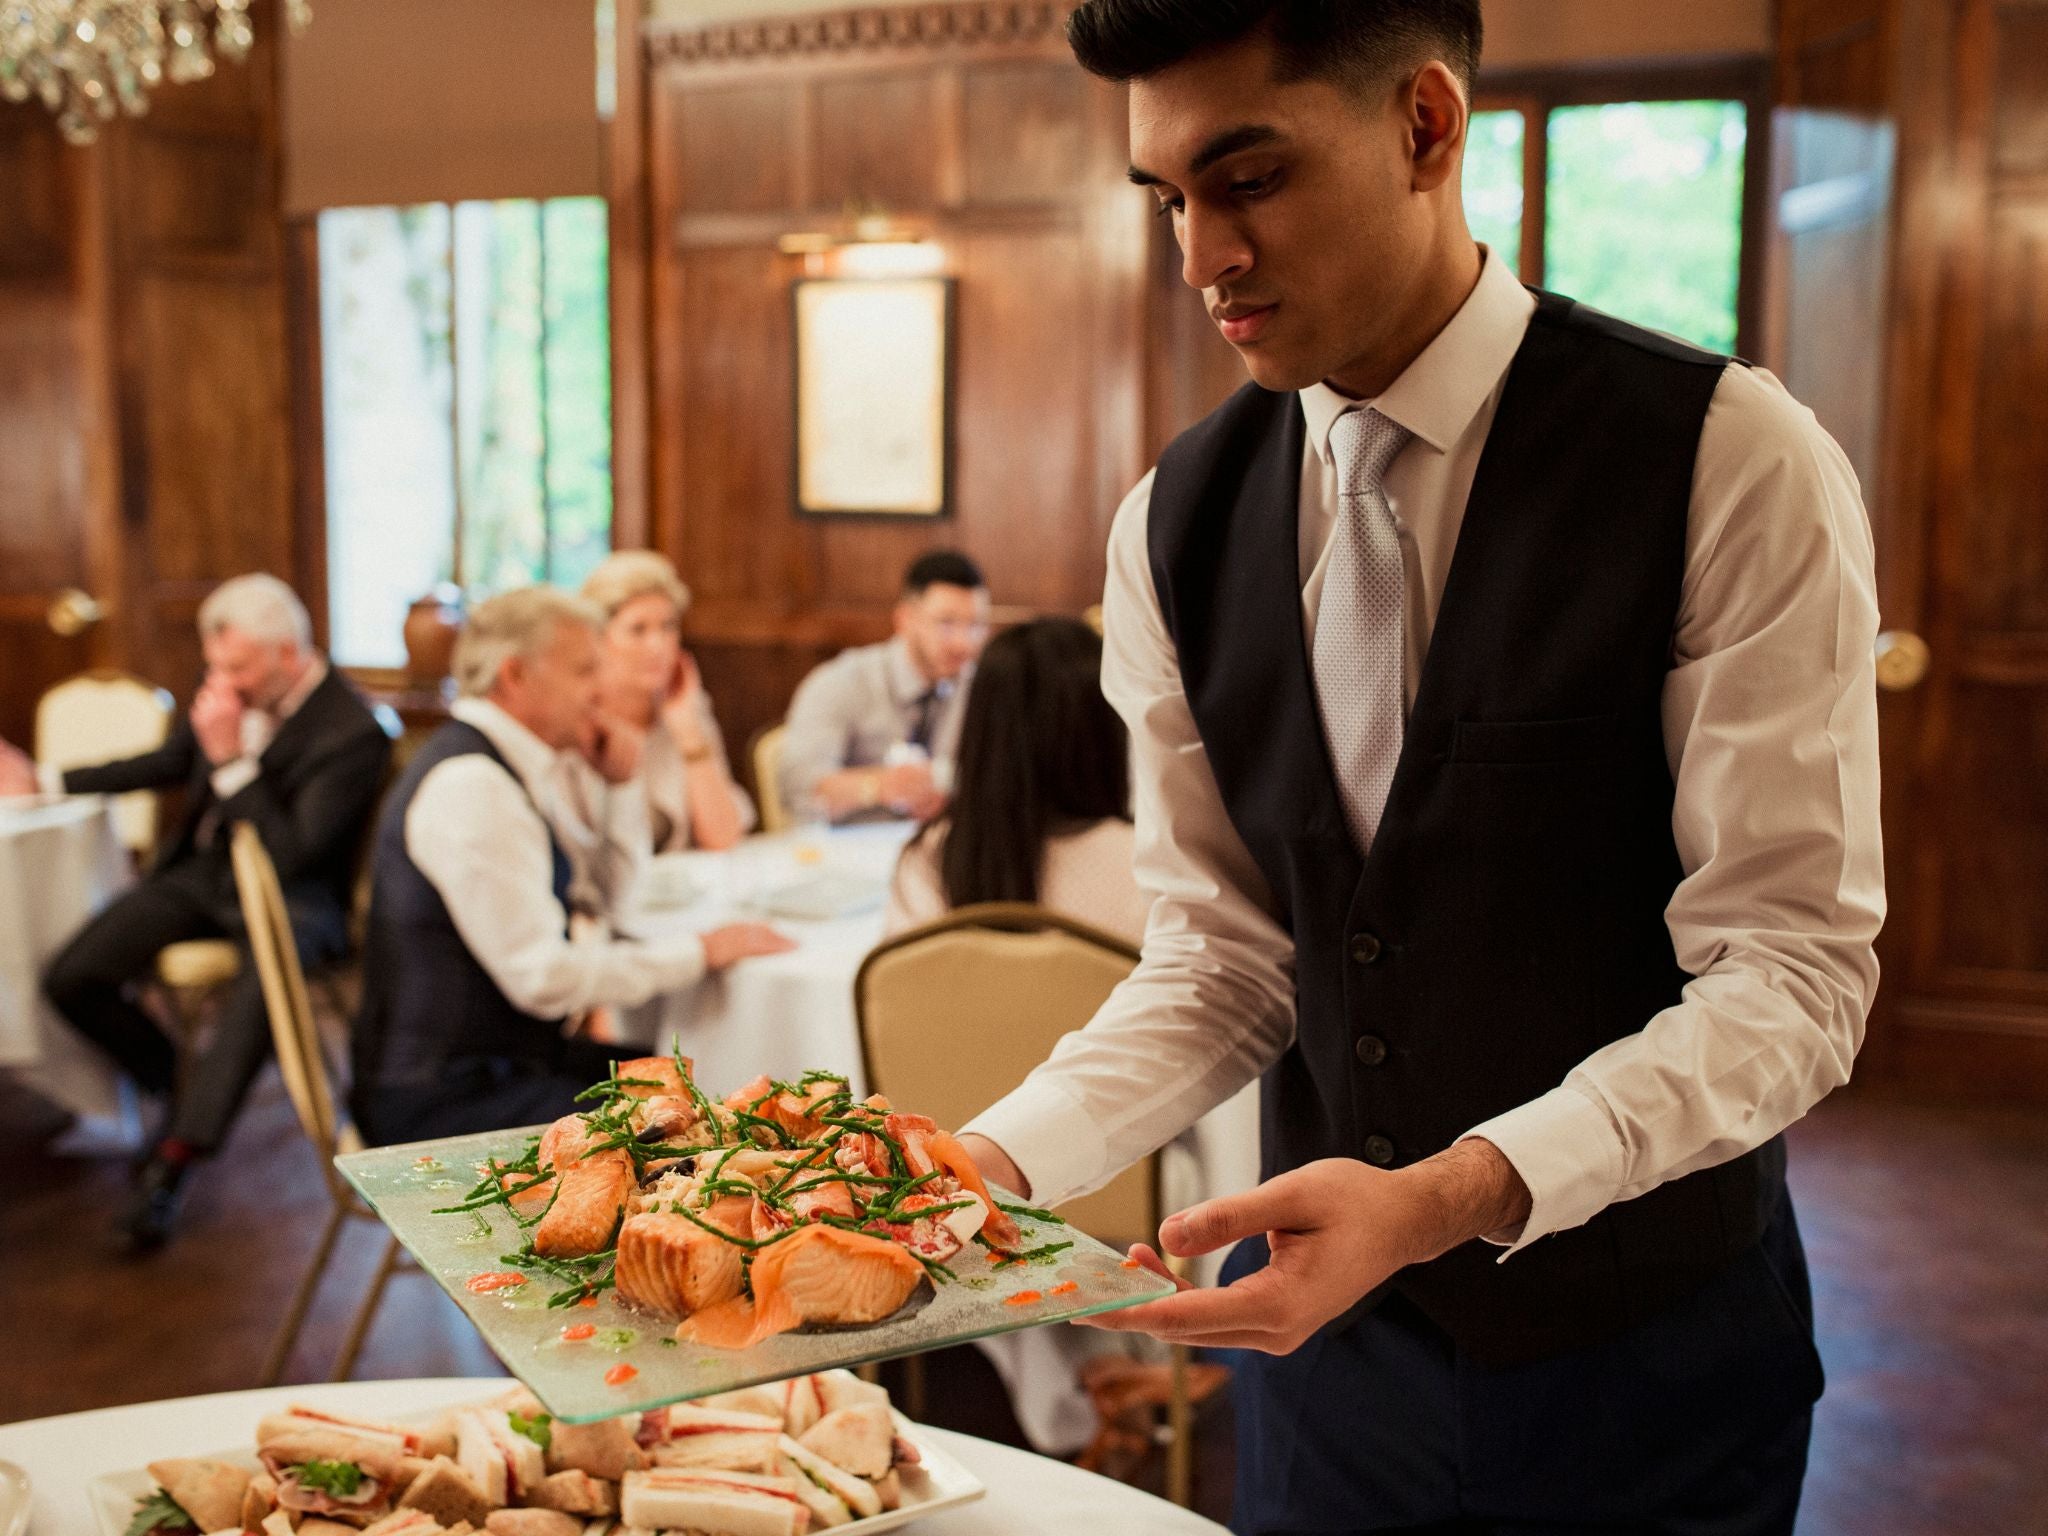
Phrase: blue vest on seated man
x=427 y=1003
x=1510 y=919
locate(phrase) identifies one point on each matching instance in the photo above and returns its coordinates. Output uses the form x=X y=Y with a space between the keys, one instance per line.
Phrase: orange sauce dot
x=497 y=1280
x=588 y=1301
x=1132 y=1264
x=1022 y=1299
x=1065 y=1288
x=620 y=1374
x=578 y=1331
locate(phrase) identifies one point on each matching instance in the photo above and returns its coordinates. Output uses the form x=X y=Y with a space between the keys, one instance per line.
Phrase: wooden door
x=56 y=521
x=1911 y=311
x=1969 y=980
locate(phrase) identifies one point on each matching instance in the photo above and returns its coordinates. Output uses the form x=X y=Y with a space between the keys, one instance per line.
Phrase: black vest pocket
x=1586 y=739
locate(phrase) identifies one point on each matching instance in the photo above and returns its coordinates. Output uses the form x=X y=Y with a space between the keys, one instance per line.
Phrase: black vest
x=1510 y=920
x=426 y=1000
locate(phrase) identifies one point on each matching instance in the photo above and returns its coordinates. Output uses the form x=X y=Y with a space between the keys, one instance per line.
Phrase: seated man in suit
x=277 y=738
x=870 y=730
x=470 y=975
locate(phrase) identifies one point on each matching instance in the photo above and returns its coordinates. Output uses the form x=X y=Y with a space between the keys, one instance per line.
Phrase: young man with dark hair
x=873 y=731
x=1500 y=690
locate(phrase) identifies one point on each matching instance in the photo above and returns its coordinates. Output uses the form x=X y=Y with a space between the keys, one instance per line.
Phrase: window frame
x=1536 y=93
x=308 y=411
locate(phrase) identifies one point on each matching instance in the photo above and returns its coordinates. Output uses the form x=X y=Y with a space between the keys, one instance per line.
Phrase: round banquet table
x=1027 y=1494
x=60 y=862
x=778 y=1014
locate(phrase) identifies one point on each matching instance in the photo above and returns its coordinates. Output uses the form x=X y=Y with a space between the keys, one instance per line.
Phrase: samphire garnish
x=800 y=1154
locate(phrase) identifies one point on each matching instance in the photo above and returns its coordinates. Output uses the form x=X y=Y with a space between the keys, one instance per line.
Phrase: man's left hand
x=1337 y=1229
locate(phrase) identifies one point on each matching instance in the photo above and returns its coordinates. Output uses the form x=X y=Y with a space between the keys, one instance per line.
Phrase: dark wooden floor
x=1927 y=1226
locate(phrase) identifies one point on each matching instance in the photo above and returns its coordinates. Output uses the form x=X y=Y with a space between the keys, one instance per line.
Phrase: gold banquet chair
x=1019 y=977
x=775 y=816
x=303 y=1065
x=97 y=717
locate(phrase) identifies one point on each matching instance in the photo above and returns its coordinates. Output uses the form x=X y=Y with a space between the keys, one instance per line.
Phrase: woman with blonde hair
x=651 y=692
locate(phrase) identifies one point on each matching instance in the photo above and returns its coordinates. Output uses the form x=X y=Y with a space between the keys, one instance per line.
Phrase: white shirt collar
x=314 y=675
x=906 y=683
x=532 y=759
x=1438 y=395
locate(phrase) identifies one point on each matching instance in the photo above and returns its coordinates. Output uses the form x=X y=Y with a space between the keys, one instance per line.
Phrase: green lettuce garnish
x=337 y=1479
x=535 y=1427
x=158 y=1512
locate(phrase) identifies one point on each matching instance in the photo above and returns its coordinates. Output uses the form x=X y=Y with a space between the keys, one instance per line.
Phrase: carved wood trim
x=875 y=30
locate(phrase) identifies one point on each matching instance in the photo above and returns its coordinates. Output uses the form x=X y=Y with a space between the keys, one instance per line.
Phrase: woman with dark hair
x=1041 y=792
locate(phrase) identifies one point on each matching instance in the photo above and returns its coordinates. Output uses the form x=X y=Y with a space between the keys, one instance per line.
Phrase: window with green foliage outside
x=1641 y=206
x=466 y=393
x=1493 y=183
x=1643 y=213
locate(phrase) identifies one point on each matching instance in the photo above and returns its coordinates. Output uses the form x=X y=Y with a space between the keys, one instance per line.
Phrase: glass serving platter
x=404 y=1184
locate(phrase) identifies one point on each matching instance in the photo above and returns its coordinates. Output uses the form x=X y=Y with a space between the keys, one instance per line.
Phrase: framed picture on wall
x=874 y=406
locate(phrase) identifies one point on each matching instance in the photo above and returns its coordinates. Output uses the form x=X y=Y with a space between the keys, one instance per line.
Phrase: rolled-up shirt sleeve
x=1211 y=1004
x=1770 y=726
x=479 y=841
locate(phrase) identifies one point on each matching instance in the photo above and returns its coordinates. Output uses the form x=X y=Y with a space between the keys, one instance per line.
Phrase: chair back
x=293 y=1032
x=775 y=815
x=98 y=717
x=954 y=1014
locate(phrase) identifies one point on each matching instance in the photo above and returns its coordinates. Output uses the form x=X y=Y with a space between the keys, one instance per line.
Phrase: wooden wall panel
x=969 y=123
x=876 y=140
x=735 y=148
x=1024 y=129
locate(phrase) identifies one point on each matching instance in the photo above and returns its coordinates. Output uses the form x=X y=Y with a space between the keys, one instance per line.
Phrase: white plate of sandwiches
x=817 y=1452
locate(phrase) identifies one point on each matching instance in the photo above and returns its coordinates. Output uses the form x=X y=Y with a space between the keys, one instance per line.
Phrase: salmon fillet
x=594 y=1188
x=656 y=1069
x=669 y=1264
x=818 y=1274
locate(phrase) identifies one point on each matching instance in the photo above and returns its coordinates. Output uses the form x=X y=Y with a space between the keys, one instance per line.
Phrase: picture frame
x=873 y=370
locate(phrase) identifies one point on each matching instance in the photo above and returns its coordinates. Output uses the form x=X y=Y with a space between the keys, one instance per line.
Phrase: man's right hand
x=741 y=941
x=909 y=790
x=217 y=721
x=17 y=771
x=995 y=1165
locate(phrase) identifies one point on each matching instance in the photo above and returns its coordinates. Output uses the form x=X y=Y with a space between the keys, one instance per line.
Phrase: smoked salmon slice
x=926 y=1147
x=817 y=1274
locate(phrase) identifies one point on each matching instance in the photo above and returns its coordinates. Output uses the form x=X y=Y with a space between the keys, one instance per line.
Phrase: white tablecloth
x=1027 y=1495
x=780 y=1014
x=60 y=862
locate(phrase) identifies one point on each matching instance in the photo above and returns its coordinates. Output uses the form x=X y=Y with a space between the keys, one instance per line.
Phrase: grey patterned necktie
x=1360 y=662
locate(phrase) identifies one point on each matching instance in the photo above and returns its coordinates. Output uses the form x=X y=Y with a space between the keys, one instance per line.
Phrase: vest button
x=1378 y=1151
x=1372 y=1050
x=1365 y=948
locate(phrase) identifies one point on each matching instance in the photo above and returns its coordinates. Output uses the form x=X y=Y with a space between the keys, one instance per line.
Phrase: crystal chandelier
x=89 y=59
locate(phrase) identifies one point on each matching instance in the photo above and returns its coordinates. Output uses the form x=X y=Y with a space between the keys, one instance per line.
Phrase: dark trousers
x=484 y=1093
x=89 y=983
x=1694 y=1423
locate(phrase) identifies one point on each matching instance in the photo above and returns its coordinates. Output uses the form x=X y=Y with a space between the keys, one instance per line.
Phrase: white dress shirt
x=476 y=832
x=1770 y=728
x=850 y=713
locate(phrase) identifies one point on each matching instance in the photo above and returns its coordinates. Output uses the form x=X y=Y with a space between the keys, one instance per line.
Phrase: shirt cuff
x=49 y=778
x=231 y=778
x=1568 y=1153
x=1054 y=1142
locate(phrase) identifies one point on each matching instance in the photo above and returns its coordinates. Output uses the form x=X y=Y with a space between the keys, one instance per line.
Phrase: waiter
x=1499 y=678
